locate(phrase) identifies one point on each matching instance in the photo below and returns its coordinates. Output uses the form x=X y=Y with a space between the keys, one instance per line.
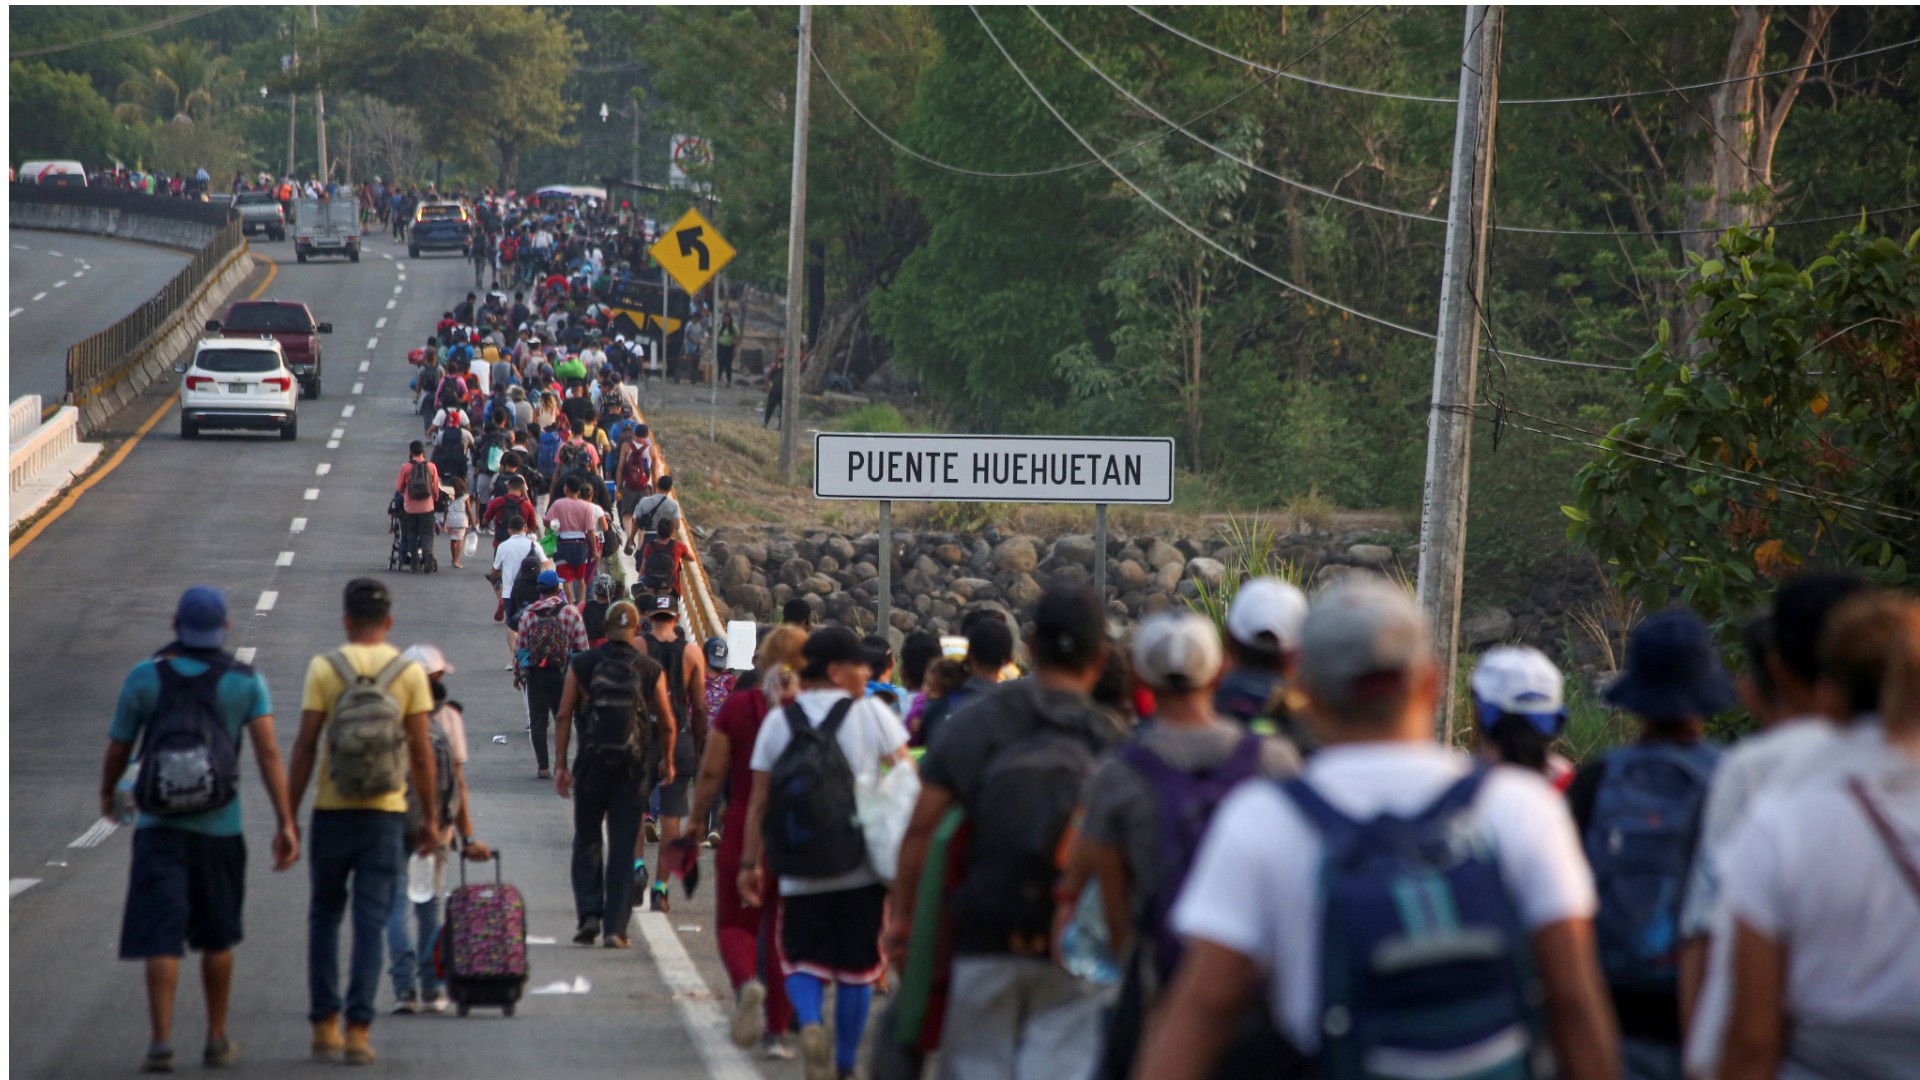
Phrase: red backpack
x=637 y=474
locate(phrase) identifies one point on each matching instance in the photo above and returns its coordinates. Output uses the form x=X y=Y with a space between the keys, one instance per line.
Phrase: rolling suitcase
x=483 y=947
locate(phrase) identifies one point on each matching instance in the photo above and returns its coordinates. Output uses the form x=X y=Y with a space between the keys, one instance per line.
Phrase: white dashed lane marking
x=338 y=433
x=285 y=558
x=39 y=296
x=364 y=364
x=59 y=284
x=79 y=273
x=23 y=247
x=403 y=277
x=373 y=343
x=313 y=494
x=299 y=525
x=266 y=602
x=322 y=469
x=391 y=304
x=380 y=323
x=333 y=444
x=346 y=411
x=102 y=829
x=16 y=886
x=245 y=654
x=358 y=387
x=57 y=254
x=15 y=311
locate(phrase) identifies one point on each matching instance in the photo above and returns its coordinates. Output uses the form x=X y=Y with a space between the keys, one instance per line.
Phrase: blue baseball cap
x=200 y=622
x=548 y=579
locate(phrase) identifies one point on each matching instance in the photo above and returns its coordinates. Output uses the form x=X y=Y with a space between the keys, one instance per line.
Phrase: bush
x=878 y=418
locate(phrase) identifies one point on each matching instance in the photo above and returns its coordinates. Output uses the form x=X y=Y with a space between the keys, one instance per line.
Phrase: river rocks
x=1162 y=555
x=1016 y=555
x=1024 y=592
x=1206 y=571
x=737 y=571
x=1074 y=551
x=750 y=600
x=840 y=548
x=1169 y=575
x=1488 y=626
x=950 y=554
x=1374 y=555
x=1130 y=575
x=827 y=565
x=795 y=570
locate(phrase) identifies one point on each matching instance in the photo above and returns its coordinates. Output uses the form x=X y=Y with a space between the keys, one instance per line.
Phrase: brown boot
x=359 y=1048
x=327 y=1043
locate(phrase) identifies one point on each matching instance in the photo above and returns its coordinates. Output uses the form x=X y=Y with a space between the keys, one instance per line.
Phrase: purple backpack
x=1187 y=802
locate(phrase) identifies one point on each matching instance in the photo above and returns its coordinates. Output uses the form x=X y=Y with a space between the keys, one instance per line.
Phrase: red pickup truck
x=288 y=322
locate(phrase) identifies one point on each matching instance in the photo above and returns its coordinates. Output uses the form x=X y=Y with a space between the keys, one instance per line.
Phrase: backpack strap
x=391 y=672
x=343 y=668
x=797 y=723
x=1888 y=836
x=836 y=716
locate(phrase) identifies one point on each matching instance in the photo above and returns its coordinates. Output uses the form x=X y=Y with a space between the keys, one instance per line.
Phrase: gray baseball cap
x=1357 y=631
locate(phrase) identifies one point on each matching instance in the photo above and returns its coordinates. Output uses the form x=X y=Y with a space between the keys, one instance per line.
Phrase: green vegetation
x=875 y=419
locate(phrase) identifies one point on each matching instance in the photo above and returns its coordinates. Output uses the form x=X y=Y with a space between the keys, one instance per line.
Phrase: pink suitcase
x=483 y=946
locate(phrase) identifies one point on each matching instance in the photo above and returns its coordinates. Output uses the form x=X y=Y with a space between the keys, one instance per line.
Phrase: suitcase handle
x=497 y=880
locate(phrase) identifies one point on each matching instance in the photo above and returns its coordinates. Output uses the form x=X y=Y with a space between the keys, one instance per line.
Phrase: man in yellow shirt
x=370 y=739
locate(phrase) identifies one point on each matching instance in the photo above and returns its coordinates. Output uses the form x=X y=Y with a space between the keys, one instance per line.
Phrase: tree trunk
x=816 y=289
x=1195 y=340
x=509 y=164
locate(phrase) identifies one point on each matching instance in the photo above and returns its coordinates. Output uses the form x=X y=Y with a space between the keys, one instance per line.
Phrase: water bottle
x=419 y=879
x=1086 y=950
x=124 y=810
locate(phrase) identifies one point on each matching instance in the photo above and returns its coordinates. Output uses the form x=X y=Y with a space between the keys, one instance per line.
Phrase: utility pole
x=796 y=247
x=292 y=64
x=635 y=172
x=320 y=107
x=1443 y=508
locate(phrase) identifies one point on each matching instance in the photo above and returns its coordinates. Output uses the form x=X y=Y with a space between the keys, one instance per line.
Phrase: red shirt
x=739 y=720
x=420 y=506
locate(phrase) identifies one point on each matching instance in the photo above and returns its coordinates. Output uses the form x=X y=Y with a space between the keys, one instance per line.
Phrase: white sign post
x=991 y=468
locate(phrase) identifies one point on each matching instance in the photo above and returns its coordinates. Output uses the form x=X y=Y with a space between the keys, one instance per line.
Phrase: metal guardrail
x=99 y=361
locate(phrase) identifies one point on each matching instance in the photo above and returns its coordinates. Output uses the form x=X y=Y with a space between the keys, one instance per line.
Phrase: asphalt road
x=281 y=527
x=63 y=287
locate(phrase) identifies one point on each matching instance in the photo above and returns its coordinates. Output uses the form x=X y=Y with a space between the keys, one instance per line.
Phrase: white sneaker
x=406 y=1006
x=437 y=1004
x=777 y=1048
x=749 y=1014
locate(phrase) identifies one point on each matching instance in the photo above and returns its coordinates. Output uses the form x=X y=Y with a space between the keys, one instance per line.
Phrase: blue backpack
x=1426 y=968
x=549 y=450
x=1640 y=843
x=189 y=763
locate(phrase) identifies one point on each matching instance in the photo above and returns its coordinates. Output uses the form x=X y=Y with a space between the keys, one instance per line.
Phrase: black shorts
x=186 y=889
x=629 y=498
x=674 y=800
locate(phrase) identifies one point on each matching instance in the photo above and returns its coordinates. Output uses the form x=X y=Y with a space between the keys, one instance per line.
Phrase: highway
x=281 y=527
x=63 y=287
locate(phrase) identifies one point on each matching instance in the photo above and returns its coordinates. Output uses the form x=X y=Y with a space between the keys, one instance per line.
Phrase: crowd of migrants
x=1199 y=851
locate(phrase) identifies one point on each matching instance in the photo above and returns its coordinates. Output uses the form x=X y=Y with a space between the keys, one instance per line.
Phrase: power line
x=161 y=24
x=1669 y=89
x=1024 y=174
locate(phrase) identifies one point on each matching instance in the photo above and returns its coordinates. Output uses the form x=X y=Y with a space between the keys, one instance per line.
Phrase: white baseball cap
x=1519 y=679
x=430 y=659
x=1177 y=651
x=1267 y=605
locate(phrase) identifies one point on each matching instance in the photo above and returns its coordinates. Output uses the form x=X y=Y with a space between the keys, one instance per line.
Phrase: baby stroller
x=397 y=558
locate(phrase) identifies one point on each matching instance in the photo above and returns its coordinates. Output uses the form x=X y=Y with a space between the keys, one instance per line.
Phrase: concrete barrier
x=111 y=221
x=43 y=460
x=23 y=417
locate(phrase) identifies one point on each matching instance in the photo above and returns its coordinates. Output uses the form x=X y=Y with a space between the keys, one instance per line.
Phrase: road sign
x=689 y=152
x=692 y=251
x=992 y=468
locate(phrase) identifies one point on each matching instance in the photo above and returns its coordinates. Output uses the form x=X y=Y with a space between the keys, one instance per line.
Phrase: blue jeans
x=411 y=948
x=364 y=846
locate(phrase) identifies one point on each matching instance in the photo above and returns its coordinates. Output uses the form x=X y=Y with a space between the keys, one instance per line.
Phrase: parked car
x=235 y=382
x=326 y=227
x=288 y=322
x=261 y=212
x=439 y=226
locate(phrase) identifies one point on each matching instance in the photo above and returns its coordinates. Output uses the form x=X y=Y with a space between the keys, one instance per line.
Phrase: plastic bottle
x=1086 y=949
x=419 y=879
x=124 y=810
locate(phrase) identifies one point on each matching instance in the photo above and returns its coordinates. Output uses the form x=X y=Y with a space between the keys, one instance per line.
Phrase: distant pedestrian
x=776 y=386
x=1263 y=648
x=458 y=517
x=551 y=631
x=662 y=559
x=364 y=729
x=188 y=879
x=419 y=489
x=1519 y=705
x=725 y=340
x=686 y=680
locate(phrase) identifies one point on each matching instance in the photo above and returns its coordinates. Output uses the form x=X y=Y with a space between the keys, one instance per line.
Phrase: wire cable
x=1365 y=92
x=159 y=24
x=1025 y=174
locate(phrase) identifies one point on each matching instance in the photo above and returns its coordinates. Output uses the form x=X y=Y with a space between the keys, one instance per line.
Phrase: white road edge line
x=101 y=829
x=322 y=469
x=16 y=886
x=266 y=601
x=245 y=654
x=312 y=494
x=700 y=1012
x=285 y=558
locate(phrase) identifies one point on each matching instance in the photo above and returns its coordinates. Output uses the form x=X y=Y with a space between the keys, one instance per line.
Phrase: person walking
x=1519 y=705
x=188 y=878
x=419 y=489
x=575 y=520
x=364 y=726
x=458 y=518
x=1492 y=848
x=1011 y=1011
x=761 y=1012
x=725 y=340
x=618 y=700
x=550 y=631
x=686 y=678
x=832 y=903
x=661 y=558
x=776 y=386
x=647 y=514
x=414 y=924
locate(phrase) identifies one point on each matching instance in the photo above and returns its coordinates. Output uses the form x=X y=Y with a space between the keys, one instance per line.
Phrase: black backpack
x=672 y=656
x=420 y=482
x=616 y=728
x=526 y=581
x=450 y=453
x=656 y=565
x=189 y=763
x=1024 y=803
x=811 y=824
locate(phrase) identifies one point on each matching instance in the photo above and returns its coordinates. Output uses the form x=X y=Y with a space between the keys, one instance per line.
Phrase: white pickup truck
x=326 y=227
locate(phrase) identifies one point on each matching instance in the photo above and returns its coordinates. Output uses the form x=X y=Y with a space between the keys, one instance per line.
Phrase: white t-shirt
x=507 y=558
x=869 y=735
x=1254 y=887
x=1853 y=952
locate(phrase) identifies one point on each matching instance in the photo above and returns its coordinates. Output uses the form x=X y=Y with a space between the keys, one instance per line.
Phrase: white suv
x=239 y=383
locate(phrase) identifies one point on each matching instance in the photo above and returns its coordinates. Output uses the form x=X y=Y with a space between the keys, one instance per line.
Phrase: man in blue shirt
x=189 y=870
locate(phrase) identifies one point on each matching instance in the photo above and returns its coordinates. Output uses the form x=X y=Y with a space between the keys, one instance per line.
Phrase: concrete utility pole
x=1443 y=509
x=320 y=107
x=796 y=247
x=290 y=64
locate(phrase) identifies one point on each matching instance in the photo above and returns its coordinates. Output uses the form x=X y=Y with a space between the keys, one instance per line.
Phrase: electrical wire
x=1025 y=174
x=160 y=24
x=1365 y=92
